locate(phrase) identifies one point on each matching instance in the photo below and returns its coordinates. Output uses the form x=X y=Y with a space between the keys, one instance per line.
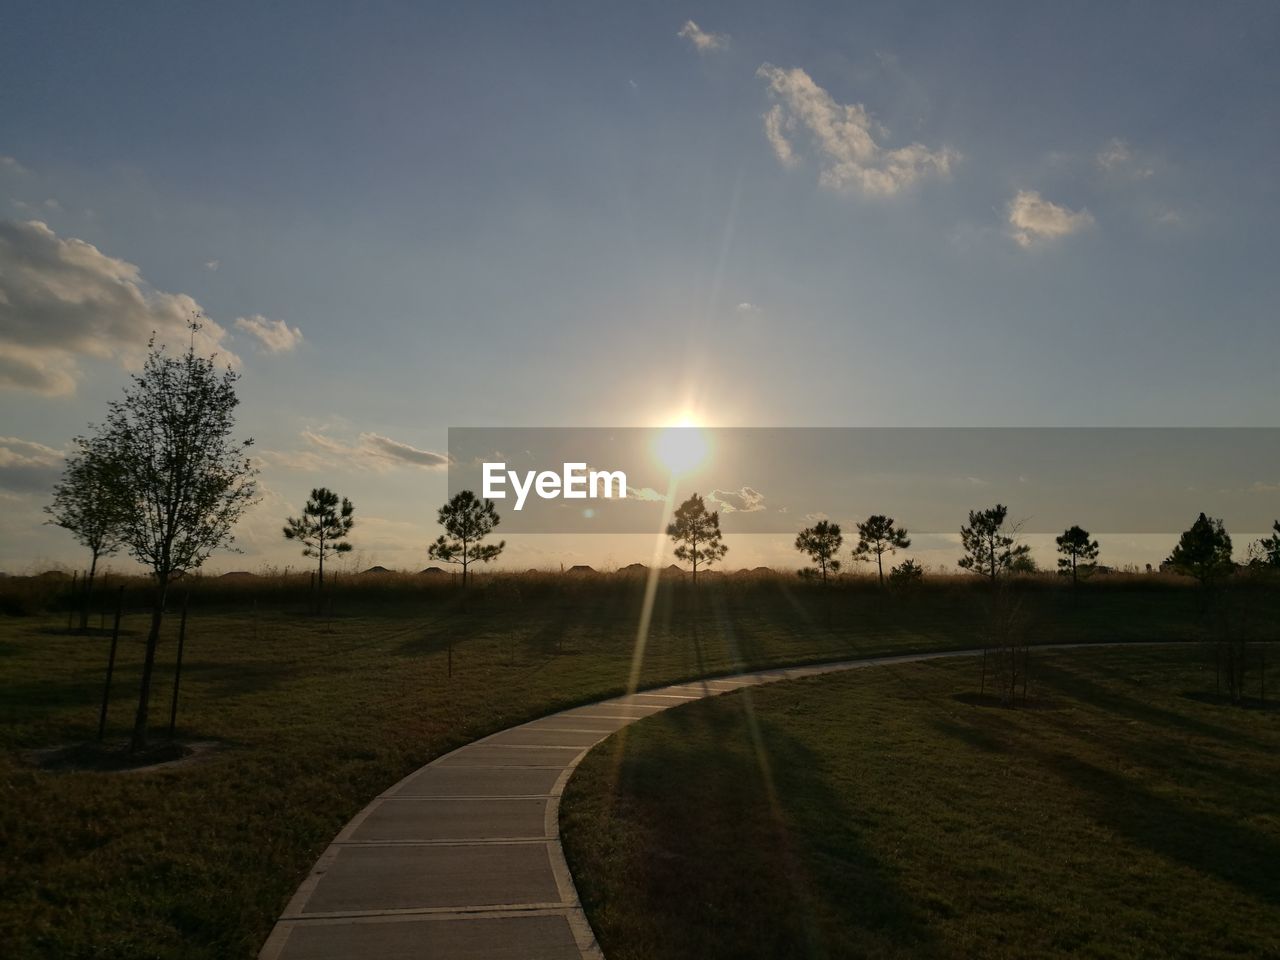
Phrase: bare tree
x=321 y=528
x=990 y=548
x=877 y=536
x=822 y=543
x=467 y=520
x=696 y=534
x=186 y=481
x=89 y=502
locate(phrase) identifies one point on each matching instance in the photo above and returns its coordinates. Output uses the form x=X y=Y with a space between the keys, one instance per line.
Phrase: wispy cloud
x=369 y=451
x=63 y=298
x=1033 y=219
x=703 y=41
x=27 y=466
x=841 y=137
x=745 y=500
x=273 y=336
x=212 y=265
x=1117 y=157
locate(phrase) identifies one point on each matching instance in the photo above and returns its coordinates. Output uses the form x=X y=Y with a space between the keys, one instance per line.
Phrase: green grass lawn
x=317 y=716
x=888 y=812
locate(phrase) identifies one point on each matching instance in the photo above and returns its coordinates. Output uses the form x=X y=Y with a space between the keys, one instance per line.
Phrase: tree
x=822 y=543
x=696 y=534
x=321 y=527
x=990 y=548
x=1267 y=550
x=1078 y=553
x=90 y=503
x=877 y=536
x=1203 y=552
x=186 y=482
x=467 y=520
x=906 y=574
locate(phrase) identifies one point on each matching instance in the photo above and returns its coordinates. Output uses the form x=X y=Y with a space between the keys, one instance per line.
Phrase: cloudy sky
x=402 y=217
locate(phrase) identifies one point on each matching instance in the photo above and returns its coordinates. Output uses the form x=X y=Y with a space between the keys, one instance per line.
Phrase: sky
x=400 y=217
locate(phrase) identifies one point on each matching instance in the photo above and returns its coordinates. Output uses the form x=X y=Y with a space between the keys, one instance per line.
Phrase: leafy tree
x=990 y=548
x=877 y=536
x=90 y=503
x=696 y=534
x=186 y=482
x=1203 y=552
x=322 y=527
x=822 y=543
x=1078 y=553
x=1267 y=550
x=467 y=520
x=906 y=574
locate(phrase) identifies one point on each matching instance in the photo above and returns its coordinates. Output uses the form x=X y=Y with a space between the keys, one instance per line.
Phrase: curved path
x=462 y=859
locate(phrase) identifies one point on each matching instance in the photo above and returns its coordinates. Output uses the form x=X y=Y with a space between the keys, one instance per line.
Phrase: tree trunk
x=148 y=668
x=880 y=567
x=88 y=593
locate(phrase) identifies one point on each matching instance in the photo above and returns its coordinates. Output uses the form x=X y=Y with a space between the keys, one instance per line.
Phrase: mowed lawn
x=316 y=716
x=889 y=813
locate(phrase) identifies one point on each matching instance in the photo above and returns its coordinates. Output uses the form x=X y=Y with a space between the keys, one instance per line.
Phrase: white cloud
x=62 y=298
x=745 y=500
x=370 y=451
x=27 y=466
x=1117 y=157
x=12 y=165
x=212 y=265
x=746 y=307
x=645 y=494
x=1033 y=219
x=395 y=450
x=274 y=336
x=841 y=137
x=702 y=41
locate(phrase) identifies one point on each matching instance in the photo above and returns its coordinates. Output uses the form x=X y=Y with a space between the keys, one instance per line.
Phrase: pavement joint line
x=528 y=746
x=449 y=913
x=568 y=905
x=434 y=911
x=462 y=796
x=499 y=766
x=449 y=842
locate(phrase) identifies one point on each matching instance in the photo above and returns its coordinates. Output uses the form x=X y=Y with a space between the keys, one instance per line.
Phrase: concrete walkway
x=462 y=858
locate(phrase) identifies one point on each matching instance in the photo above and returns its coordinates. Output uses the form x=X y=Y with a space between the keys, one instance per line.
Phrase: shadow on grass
x=1081 y=688
x=1203 y=841
x=759 y=789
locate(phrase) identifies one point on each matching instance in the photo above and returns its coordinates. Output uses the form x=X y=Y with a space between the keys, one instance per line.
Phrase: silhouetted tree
x=1203 y=552
x=185 y=480
x=990 y=548
x=467 y=520
x=1267 y=550
x=906 y=574
x=696 y=534
x=877 y=536
x=89 y=501
x=321 y=527
x=822 y=543
x=1078 y=553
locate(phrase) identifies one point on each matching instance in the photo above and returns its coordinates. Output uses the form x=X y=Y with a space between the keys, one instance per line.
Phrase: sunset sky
x=403 y=217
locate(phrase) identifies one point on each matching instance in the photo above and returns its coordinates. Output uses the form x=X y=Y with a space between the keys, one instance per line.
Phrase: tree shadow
x=1203 y=841
x=801 y=881
x=1090 y=692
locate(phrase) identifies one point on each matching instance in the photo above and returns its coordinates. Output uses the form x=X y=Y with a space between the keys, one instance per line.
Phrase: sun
x=681 y=447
